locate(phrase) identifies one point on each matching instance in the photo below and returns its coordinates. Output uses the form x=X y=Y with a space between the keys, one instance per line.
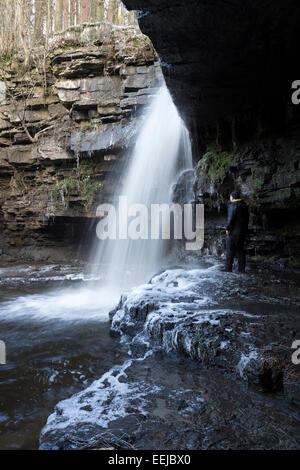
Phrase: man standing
x=236 y=231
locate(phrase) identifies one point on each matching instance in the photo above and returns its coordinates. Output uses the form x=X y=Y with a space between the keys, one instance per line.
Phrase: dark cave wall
x=223 y=56
x=229 y=66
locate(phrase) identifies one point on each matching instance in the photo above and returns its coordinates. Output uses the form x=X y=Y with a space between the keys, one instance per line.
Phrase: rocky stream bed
x=208 y=367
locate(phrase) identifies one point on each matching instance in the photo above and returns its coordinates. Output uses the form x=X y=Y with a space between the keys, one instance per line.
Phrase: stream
x=57 y=340
x=61 y=357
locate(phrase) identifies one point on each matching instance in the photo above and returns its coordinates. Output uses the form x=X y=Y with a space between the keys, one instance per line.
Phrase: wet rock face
x=190 y=409
x=267 y=175
x=83 y=121
x=182 y=192
x=196 y=314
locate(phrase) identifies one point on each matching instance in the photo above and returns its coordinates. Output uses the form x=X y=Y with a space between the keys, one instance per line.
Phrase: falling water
x=162 y=151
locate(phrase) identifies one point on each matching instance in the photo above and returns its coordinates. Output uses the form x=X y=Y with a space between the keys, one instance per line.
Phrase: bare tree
x=28 y=24
x=19 y=98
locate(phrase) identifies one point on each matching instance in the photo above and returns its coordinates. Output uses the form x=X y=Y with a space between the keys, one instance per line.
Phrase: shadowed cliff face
x=223 y=56
x=229 y=66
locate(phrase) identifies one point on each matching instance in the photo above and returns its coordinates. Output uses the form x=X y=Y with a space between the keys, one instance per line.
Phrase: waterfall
x=162 y=151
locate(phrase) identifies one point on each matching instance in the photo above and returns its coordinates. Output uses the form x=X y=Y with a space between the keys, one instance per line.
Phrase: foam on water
x=245 y=361
x=65 y=305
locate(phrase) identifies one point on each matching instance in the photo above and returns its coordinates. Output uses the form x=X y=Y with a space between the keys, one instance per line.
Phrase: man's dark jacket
x=238 y=219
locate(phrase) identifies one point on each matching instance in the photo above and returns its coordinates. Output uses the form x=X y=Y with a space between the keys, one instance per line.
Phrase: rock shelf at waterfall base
x=196 y=313
x=240 y=391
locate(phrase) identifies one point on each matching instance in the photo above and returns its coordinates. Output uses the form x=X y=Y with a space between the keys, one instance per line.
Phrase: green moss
x=257 y=184
x=6 y=59
x=138 y=42
x=257 y=176
x=264 y=258
x=79 y=184
x=86 y=126
x=64 y=44
x=295 y=261
x=216 y=163
x=256 y=258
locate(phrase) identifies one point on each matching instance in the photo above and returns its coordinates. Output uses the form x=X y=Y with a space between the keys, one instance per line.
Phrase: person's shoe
x=226 y=270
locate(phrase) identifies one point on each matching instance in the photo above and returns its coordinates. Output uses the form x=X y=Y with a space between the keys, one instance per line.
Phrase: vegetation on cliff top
x=26 y=25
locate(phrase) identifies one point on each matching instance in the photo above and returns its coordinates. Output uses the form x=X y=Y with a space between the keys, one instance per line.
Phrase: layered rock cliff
x=67 y=126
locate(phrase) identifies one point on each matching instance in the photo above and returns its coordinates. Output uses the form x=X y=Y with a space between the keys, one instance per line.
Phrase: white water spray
x=161 y=153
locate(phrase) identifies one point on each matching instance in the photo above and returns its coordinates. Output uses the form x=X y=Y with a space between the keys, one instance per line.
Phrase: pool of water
x=54 y=322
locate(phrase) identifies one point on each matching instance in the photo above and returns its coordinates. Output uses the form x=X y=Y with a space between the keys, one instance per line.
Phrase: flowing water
x=55 y=327
x=162 y=152
x=54 y=320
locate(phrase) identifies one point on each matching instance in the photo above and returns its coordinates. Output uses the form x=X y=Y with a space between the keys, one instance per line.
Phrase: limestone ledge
x=69 y=127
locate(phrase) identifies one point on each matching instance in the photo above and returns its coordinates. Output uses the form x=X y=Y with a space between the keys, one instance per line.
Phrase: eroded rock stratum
x=66 y=128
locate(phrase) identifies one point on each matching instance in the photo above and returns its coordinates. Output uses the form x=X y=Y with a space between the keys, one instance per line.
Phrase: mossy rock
x=215 y=164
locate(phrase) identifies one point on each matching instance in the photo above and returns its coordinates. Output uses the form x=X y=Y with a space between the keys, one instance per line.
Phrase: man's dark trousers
x=237 y=228
x=235 y=246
